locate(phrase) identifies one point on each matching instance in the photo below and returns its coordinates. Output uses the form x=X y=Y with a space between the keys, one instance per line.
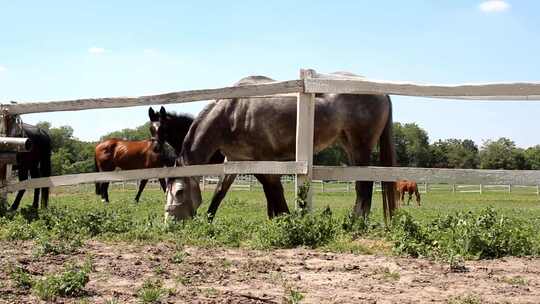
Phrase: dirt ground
x=245 y=276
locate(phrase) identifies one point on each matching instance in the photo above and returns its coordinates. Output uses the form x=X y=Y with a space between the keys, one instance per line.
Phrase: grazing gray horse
x=264 y=128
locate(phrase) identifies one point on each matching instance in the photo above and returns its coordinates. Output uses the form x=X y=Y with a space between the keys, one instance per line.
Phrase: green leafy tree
x=139 y=133
x=69 y=154
x=412 y=145
x=502 y=154
x=454 y=153
x=532 y=157
x=331 y=156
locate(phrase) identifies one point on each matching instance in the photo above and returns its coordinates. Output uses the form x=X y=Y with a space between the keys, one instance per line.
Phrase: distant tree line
x=71 y=155
x=413 y=150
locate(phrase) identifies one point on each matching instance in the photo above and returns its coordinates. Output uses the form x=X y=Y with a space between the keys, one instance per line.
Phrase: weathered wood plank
x=291 y=86
x=198 y=170
x=492 y=91
x=305 y=117
x=15 y=144
x=266 y=167
x=429 y=175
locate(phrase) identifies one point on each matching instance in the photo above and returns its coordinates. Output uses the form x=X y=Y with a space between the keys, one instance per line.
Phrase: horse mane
x=204 y=112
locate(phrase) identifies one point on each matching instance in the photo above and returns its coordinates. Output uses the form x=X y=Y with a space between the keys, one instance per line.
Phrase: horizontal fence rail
x=329 y=83
x=431 y=175
x=245 y=167
x=291 y=86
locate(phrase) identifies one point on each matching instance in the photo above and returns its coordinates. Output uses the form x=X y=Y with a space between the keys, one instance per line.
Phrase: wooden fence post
x=425 y=187
x=509 y=188
x=454 y=188
x=3 y=165
x=537 y=189
x=481 y=188
x=250 y=183
x=305 y=116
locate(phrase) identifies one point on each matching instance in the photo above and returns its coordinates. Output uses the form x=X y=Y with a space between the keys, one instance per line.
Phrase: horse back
x=126 y=155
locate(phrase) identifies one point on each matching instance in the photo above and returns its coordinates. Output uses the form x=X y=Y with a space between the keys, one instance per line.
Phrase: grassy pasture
x=55 y=253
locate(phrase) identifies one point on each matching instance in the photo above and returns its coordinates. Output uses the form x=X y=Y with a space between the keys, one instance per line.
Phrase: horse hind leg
x=105 y=192
x=360 y=156
x=34 y=173
x=23 y=175
x=45 y=169
x=273 y=190
x=417 y=197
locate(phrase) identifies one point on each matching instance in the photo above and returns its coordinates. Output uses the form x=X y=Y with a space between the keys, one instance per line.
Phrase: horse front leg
x=219 y=194
x=163 y=184
x=142 y=184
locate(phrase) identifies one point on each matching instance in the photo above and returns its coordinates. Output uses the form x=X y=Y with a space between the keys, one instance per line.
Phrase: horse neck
x=178 y=129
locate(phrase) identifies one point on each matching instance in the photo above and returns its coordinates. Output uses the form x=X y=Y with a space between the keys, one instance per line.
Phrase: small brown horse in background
x=405 y=186
x=129 y=155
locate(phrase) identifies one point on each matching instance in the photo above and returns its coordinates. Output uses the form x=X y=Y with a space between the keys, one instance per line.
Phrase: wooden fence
x=305 y=89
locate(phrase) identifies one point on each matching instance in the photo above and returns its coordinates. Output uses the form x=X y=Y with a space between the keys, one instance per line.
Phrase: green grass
x=449 y=226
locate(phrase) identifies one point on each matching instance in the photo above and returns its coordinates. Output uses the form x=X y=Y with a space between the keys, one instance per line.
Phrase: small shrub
x=21 y=278
x=293 y=296
x=297 y=229
x=179 y=257
x=469 y=299
x=69 y=283
x=483 y=235
x=44 y=246
x=151 y=292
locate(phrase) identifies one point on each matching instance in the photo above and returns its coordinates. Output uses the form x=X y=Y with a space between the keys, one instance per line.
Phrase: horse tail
x=388 y=159
x=98 y=185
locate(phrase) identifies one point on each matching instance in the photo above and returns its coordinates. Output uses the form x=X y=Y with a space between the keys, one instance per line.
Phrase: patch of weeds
x=152 y=291
x=298 y=229
x=210 y=292
x=179 y=257
x=517 y=280
x=69 y=283
x=483 y=235
x=387 y=274
x=345 y=244
x=226 y=263
x=159 y=270
x=468 y=299
x=45 y=246
x=183 y=280
x=457 y=264
x=292 y=295
x=21 y=277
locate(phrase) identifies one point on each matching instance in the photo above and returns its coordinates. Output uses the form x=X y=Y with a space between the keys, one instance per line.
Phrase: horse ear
x=162 y=111
x=152 y=115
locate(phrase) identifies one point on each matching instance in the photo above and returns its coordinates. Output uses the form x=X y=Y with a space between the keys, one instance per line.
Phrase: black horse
x=36 y=162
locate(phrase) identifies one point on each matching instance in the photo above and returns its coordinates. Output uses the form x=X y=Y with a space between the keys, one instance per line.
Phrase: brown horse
x=405 y=186
x=129 y=155
x=265 y=129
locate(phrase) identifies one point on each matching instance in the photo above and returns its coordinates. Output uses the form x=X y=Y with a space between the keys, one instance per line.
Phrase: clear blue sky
x=53 y=50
